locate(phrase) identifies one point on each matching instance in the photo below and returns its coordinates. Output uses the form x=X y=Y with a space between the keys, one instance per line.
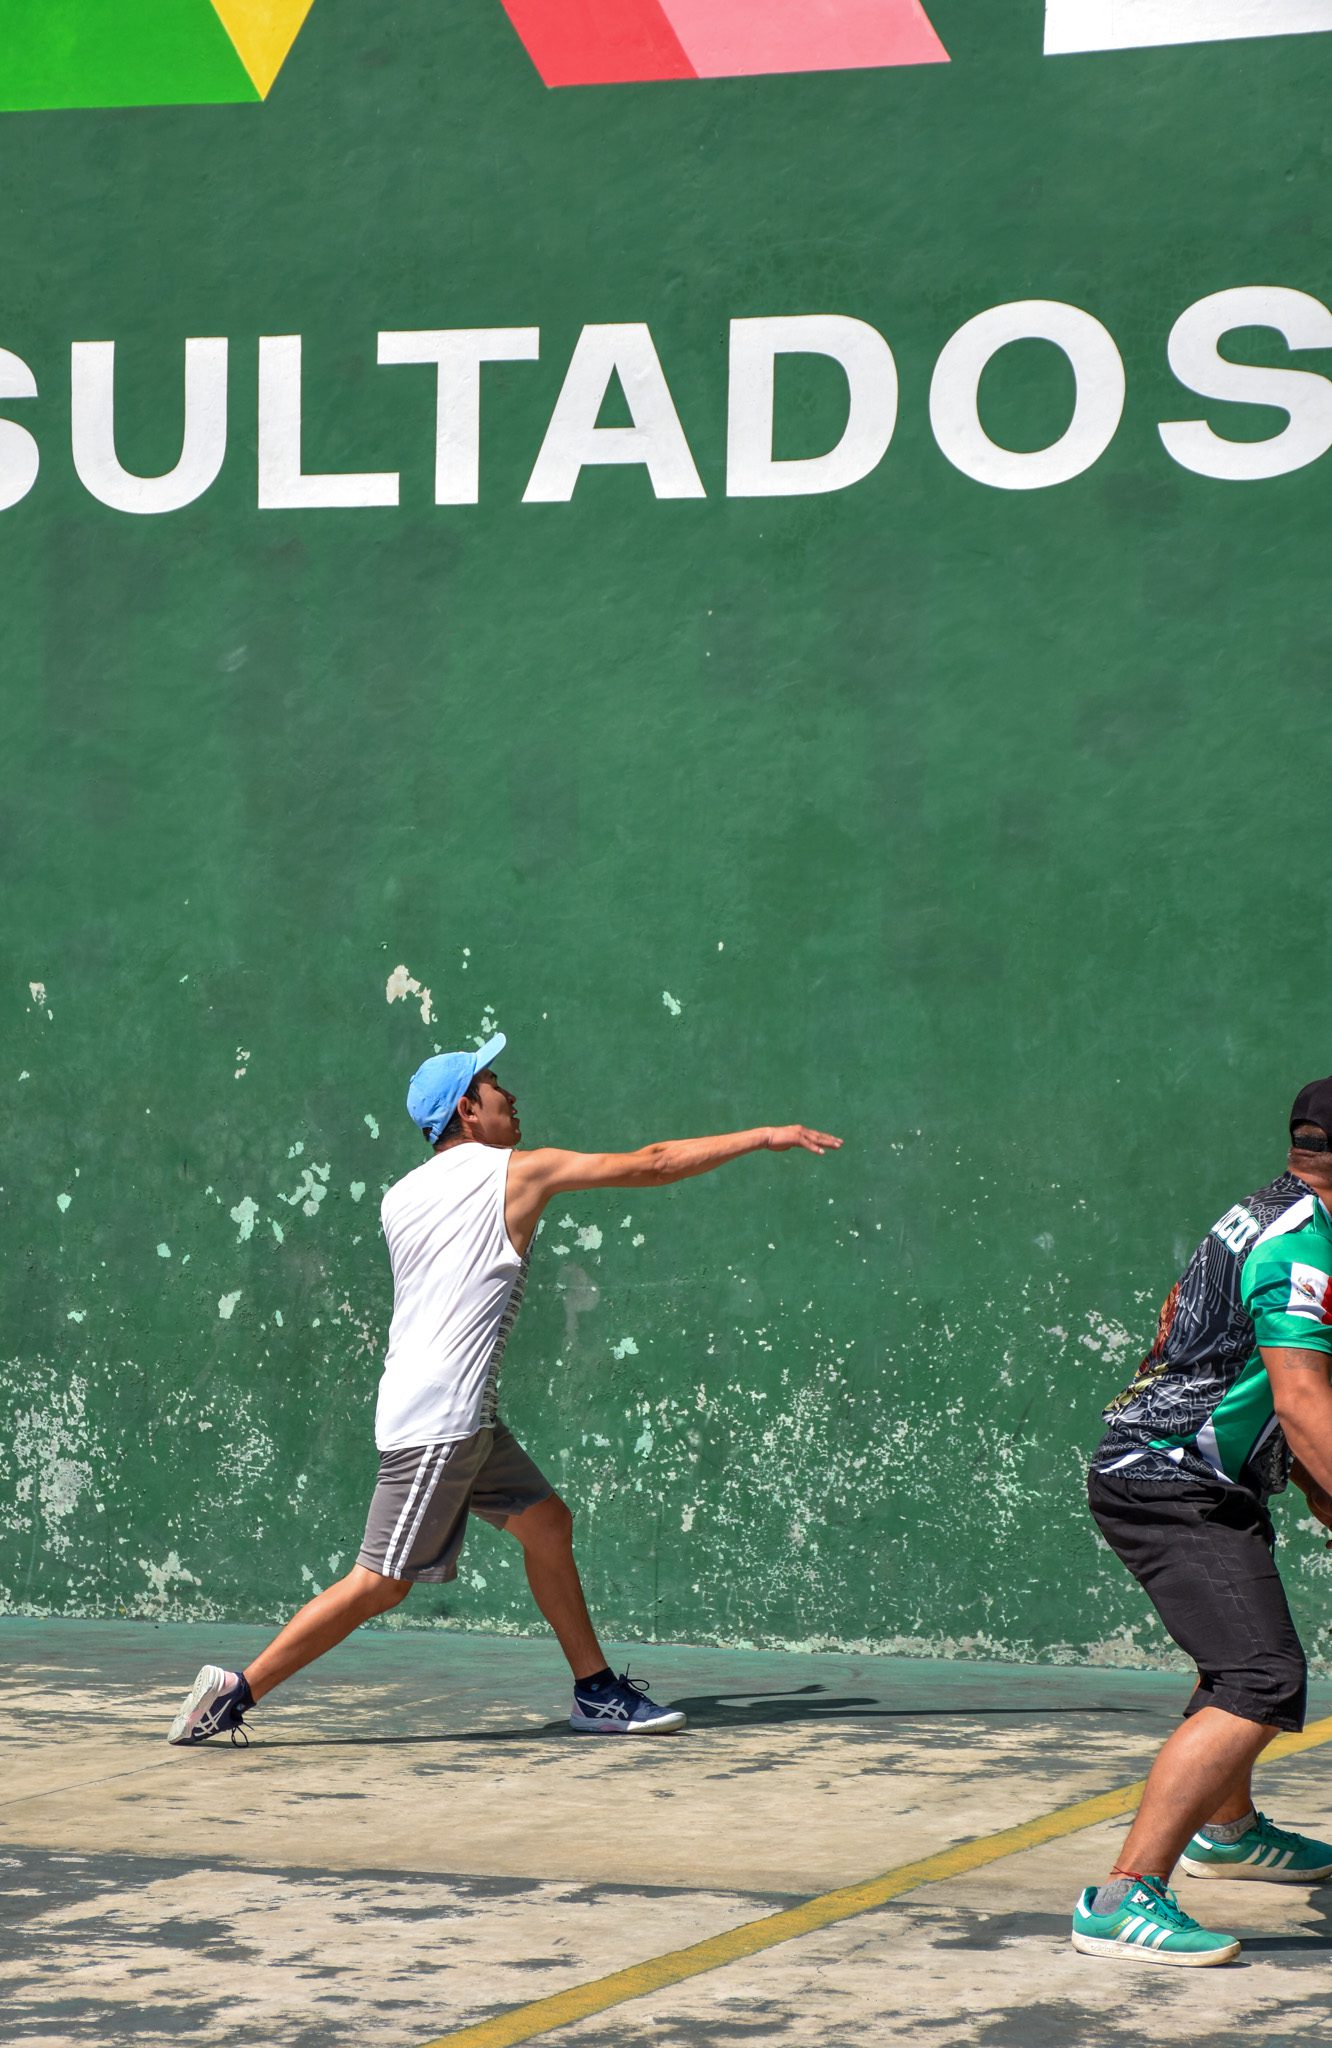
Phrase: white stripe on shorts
x=403 y=1550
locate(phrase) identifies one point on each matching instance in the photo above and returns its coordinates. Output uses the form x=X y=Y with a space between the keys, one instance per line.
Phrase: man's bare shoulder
x=537 y=1163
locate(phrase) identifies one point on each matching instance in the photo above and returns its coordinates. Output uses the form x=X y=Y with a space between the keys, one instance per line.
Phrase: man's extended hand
x=790 y=1137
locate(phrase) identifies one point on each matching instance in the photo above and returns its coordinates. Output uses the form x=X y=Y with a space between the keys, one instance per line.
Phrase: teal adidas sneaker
x=1150 y=1927
x=1268 y=1853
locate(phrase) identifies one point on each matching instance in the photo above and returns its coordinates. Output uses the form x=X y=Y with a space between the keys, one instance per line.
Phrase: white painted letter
x=19 y=457
x=92 y=428
x=871 y=376
x=1098 y=373
x=574 y=441
x=1304 y=396
x=459 y=353
x=283 y=485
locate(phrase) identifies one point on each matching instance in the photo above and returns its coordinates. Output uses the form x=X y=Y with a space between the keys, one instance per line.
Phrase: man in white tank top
x=459 y=1231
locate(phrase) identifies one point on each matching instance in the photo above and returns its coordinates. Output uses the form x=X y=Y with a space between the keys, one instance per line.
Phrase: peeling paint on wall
x=400 y=985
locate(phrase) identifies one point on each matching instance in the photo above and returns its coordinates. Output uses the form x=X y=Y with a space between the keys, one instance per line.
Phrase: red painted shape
x=599 y=42
x=738 y=38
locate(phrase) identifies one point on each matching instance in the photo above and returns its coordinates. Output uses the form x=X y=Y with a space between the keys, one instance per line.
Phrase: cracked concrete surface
x=415 y=1841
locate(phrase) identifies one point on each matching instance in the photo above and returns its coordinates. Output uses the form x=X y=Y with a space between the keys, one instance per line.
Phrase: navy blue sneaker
x=215 y=1705
x=621 y=1707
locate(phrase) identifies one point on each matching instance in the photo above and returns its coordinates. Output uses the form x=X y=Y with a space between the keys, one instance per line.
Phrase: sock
x=598 y=1681
x=1229 y=1830
x=1113 y=1893
x=246 y=1696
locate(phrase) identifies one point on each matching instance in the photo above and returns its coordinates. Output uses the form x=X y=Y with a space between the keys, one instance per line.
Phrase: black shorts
x=1203 y=1555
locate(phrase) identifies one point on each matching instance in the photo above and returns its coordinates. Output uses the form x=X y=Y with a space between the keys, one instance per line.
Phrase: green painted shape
x=116 y=53
x=987 y=797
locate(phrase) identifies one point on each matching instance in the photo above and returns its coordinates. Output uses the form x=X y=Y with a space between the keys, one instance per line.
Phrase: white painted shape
x=371 y=1125
x=244 y=1216
x=575 y=442
x=164 y=1251
x=752 y=471
x=63 y=1202
x=1074 y=25
x=1099 y=386
x=283 y=484
x=356 y=1190
x=589 y=1238
x=671 y=1004
x=20 y=457
x=92 y=428
x=226 y=1304
x=401 y=984
x=37 y=990
x=1195 y=356
x=458 y=353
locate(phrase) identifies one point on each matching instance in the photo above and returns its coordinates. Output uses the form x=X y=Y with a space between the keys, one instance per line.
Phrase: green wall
x=981 y=825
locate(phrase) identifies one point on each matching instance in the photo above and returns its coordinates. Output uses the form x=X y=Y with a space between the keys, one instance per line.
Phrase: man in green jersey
x=1233 y=1399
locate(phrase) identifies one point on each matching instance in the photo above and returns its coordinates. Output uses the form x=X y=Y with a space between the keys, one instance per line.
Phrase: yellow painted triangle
x=263 y=32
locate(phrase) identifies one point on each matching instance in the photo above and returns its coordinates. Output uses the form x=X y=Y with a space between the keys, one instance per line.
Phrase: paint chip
x=669 y=1000
x=226 y=1303
x=401 y=984
x=63 y=1202
x=76 y=1315
x=626 y=1348
x=371 y=1125
x=245 y=1215
x=356 y=1190
x=589 y=1238
x=277 y=1230
x=164 y=1251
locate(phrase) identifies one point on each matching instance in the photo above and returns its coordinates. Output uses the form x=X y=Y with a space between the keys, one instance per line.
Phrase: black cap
x=1313 y=1105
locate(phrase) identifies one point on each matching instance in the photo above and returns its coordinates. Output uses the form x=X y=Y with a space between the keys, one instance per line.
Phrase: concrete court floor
x=415 y=1841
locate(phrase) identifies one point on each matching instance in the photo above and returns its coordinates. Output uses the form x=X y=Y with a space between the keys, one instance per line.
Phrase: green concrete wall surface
x=749 y=743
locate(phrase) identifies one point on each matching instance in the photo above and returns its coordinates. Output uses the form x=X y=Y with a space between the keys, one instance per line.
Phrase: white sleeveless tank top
x=457 y=1288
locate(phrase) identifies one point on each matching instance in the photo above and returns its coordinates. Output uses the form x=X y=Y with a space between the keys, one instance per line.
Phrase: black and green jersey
x=1201 y=1403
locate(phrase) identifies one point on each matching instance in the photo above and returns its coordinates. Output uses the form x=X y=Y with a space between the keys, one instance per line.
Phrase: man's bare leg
x=1201 y=1774
x=322 y=1623
x=546 y=1534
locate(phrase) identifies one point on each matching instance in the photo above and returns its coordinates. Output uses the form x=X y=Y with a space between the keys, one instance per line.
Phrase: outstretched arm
x=535 y=1178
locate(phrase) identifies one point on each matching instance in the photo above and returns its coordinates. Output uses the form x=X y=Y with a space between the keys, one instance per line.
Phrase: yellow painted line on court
x=584 y=2001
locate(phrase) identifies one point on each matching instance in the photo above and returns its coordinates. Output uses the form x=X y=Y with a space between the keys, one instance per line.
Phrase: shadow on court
x=417 y=1840
x=805 y=1703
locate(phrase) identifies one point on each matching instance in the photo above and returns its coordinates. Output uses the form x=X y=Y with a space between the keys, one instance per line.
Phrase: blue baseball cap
x=439 y=1085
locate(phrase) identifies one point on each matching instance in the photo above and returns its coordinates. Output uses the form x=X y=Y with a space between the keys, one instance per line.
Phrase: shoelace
x=208 y=1727
x=1285 y=1837
x=1172 y=1911
x=638 y=1685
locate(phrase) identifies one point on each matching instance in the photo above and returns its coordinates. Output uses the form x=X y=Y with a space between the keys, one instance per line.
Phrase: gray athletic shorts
x=418 y=1516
